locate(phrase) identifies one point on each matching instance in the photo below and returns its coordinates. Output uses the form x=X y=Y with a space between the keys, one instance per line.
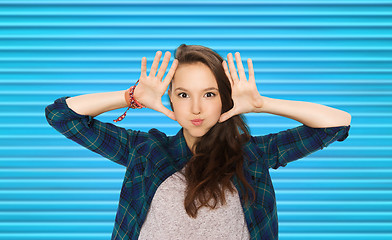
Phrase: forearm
x=95 y=104
x=310 y=114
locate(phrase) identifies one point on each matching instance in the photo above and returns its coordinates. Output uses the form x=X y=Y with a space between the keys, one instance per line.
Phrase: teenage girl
x=211 y=180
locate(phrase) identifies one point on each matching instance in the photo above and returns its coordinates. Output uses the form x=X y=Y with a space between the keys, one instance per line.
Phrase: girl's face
x=195 y=99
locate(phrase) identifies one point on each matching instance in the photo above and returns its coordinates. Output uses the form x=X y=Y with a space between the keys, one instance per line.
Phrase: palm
x=245 y=95
x=151 y=88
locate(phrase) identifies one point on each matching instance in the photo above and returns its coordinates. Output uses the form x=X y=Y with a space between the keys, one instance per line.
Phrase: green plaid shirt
x=151 y=157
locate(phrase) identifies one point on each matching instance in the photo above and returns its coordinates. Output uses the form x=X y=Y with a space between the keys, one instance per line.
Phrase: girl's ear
x=169 y=93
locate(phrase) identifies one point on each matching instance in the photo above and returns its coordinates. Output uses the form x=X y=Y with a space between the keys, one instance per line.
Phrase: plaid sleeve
x=295 y=143
x=106 y=139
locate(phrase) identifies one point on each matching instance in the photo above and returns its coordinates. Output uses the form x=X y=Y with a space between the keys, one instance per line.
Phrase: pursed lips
x=197 y=122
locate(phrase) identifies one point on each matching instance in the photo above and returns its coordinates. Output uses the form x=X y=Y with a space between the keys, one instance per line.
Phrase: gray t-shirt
x=167 y=218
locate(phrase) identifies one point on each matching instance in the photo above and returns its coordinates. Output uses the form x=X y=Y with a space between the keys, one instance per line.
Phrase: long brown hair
x=218 y=154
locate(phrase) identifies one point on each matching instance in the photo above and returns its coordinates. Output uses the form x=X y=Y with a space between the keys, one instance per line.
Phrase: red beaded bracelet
x=132 y=102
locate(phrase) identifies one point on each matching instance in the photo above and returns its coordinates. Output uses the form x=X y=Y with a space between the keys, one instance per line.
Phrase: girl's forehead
x=195 y=74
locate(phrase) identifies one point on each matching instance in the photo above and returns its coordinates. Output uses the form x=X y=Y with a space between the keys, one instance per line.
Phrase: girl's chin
x=196 y=133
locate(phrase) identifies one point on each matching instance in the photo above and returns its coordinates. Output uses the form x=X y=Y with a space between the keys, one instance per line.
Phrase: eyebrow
x=207 y=89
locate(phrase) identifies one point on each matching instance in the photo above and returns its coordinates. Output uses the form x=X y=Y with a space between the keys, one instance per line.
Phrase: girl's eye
x=183 y=95
x=210 y=94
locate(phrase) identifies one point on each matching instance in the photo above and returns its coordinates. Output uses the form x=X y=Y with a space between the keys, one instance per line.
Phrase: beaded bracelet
x=131 y=101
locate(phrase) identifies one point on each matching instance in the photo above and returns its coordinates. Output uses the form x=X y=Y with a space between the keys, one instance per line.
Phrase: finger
x=233 y=71
x=171 y=72
x=155 y=64
x=225 y=116
x=165 y=62
x=251 y=71
x=224 y=64
x=143 y=71
x=240 y=67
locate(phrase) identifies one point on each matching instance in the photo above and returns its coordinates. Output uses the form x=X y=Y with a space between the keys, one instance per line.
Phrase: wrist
x=130 y=100
x=261 y=104
x=127 y=98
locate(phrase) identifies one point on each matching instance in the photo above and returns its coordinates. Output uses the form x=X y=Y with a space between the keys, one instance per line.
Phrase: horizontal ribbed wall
x=336 y=53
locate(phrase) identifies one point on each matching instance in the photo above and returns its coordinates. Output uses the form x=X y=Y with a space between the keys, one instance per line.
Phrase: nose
x=196 y=106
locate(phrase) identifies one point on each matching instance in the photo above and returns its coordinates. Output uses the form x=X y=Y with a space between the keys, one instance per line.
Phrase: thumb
x=226 y=115
x=167 y=112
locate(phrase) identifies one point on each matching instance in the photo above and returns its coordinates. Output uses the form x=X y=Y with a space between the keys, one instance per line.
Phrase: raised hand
x=151 y=88
x=245 y=96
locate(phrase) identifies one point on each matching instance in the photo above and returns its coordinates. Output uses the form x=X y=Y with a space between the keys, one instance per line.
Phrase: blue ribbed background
x=336 y=53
